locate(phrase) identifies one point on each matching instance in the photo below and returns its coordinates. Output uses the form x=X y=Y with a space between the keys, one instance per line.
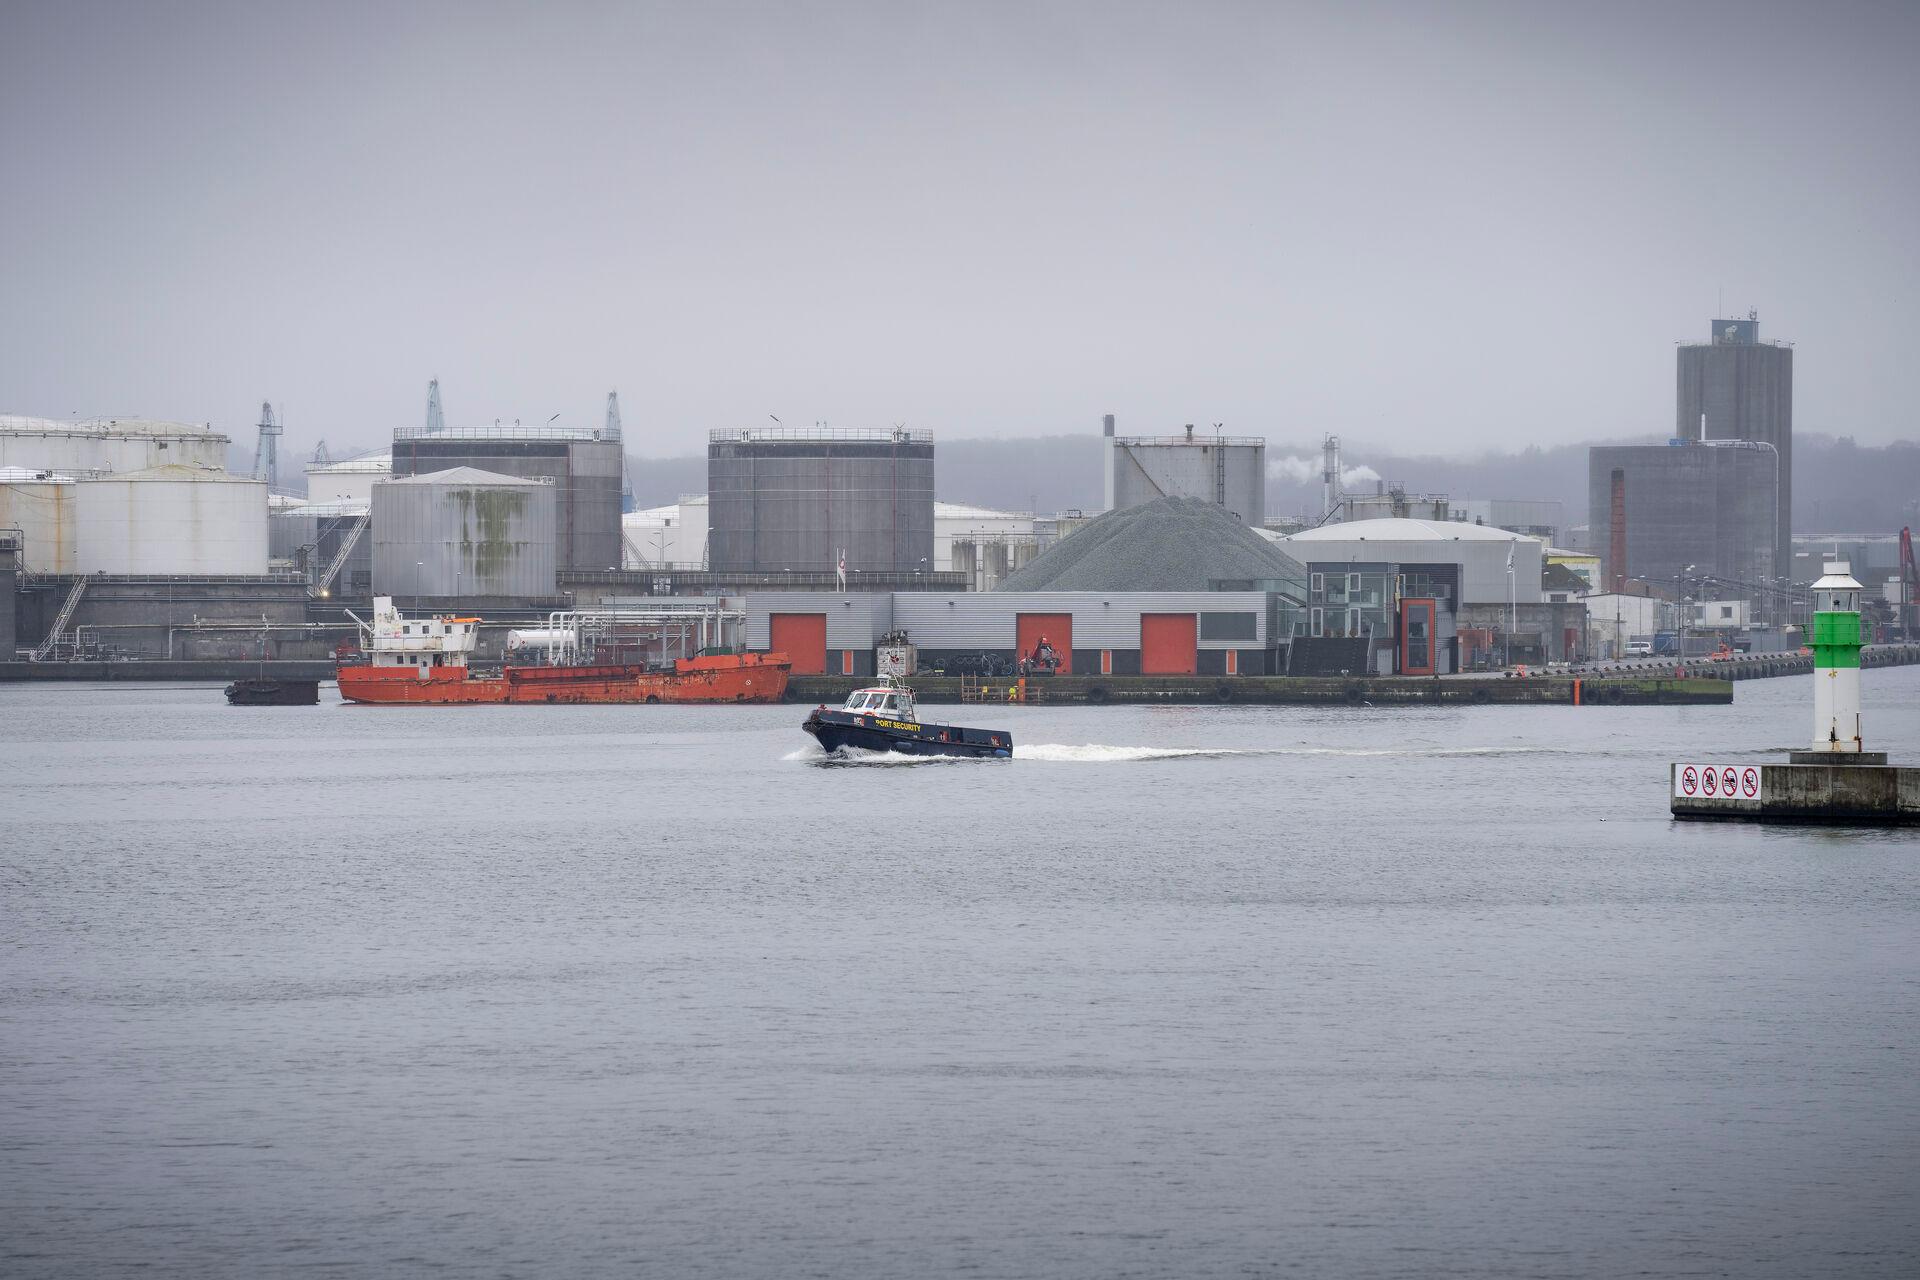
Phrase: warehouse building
x=1474 y=591
x=1095 y=633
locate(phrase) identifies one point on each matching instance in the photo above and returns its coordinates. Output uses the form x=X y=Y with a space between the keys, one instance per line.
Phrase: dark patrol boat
x=884 y=719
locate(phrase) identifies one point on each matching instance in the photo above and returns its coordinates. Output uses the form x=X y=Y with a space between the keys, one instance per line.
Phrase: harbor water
x=1195 y=991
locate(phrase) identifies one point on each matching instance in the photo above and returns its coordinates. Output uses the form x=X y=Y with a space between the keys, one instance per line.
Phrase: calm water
x=643 y=991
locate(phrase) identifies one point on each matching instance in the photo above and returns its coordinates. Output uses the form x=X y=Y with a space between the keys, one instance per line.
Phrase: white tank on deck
x=40 y=505
x=107 y=444
x=171 y=520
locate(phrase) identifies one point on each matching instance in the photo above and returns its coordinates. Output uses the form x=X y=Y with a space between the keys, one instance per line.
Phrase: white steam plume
x=1307 y=471
x=1298 y=470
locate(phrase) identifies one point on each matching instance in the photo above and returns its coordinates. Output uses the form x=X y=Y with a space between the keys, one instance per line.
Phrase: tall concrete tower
x=1736 y=387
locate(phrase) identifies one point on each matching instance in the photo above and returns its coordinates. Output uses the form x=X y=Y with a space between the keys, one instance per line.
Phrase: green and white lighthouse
x=1835 y=640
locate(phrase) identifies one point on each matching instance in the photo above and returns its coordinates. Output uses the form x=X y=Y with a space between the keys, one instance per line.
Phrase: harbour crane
x=266 y=449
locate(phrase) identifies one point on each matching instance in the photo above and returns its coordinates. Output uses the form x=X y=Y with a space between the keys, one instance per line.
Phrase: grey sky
x=1429 y=227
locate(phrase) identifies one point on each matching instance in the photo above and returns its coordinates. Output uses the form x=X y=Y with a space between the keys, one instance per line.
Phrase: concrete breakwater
x=1292 y=690
x=1758 y=666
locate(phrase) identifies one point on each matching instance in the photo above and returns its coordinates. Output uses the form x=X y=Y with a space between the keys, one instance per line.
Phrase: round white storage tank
x=107 y=444
x=171 y=520
x=40 y=505
x=465 y=532
x=349 y=481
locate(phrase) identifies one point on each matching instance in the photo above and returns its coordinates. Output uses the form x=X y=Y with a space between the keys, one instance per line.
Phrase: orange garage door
x=803 y=638
x=1056 y=627
x=1168 y=644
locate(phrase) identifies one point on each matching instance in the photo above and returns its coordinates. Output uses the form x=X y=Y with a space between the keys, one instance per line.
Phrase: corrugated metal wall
x=464 y=539
x=793 y=504
x=1708 y=506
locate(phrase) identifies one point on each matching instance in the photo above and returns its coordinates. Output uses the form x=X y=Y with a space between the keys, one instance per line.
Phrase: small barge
x=270 y=691
x=884 y=718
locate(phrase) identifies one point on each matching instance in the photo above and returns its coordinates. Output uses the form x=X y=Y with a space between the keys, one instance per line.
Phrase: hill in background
x=1839 y=486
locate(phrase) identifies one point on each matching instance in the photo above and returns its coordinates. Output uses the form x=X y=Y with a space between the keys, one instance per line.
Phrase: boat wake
x=1098 y=753
x=1095 y=753
x=858 y=756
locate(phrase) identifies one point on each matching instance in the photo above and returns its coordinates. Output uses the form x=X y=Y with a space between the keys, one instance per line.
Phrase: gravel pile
x=1172 y=544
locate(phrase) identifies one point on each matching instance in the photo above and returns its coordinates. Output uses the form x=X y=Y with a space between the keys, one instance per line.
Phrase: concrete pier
x=1871 y=792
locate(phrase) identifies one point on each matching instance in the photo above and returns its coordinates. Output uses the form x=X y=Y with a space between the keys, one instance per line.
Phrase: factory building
x=1663 y=512
x=785 y=499
x=1228 y=471
x=1094 y=632
x=466 y=533
x=350 y=480
x=1399 y=590
x=106 y=444
x=172 y=519
x=1736 y=387
x=40 y=504
x=584 y=465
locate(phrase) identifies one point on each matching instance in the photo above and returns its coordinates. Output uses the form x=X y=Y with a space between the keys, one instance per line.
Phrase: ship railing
x=801 y=435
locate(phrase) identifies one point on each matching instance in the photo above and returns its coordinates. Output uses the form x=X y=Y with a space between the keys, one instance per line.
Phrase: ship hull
x=751 y=677
x=839 y=730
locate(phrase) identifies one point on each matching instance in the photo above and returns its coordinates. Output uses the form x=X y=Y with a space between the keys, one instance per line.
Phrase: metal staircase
x=346 y=549
x=61 y=620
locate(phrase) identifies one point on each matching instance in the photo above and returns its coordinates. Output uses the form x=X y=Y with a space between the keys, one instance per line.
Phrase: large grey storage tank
x=465 y=532
x=1689 y=510
x=794 y=499
x=1737 y=387
x=584 y=463
x=1228 y=471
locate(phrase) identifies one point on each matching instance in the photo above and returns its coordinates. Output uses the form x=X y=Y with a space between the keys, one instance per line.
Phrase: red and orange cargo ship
x=423 y=661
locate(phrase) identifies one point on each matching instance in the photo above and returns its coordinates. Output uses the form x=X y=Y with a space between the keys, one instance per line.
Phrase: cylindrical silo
x=781 y=499
x=1228 y=471
x=107 y=444
x=584 y=464
x=170 y=520
x=40 y=505
x=465 y=532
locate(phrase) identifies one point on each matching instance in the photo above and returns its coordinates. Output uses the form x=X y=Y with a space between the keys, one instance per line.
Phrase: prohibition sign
x=1729 y=781
x=1710 y=782
x=1689 y=779
x=1750 y=781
